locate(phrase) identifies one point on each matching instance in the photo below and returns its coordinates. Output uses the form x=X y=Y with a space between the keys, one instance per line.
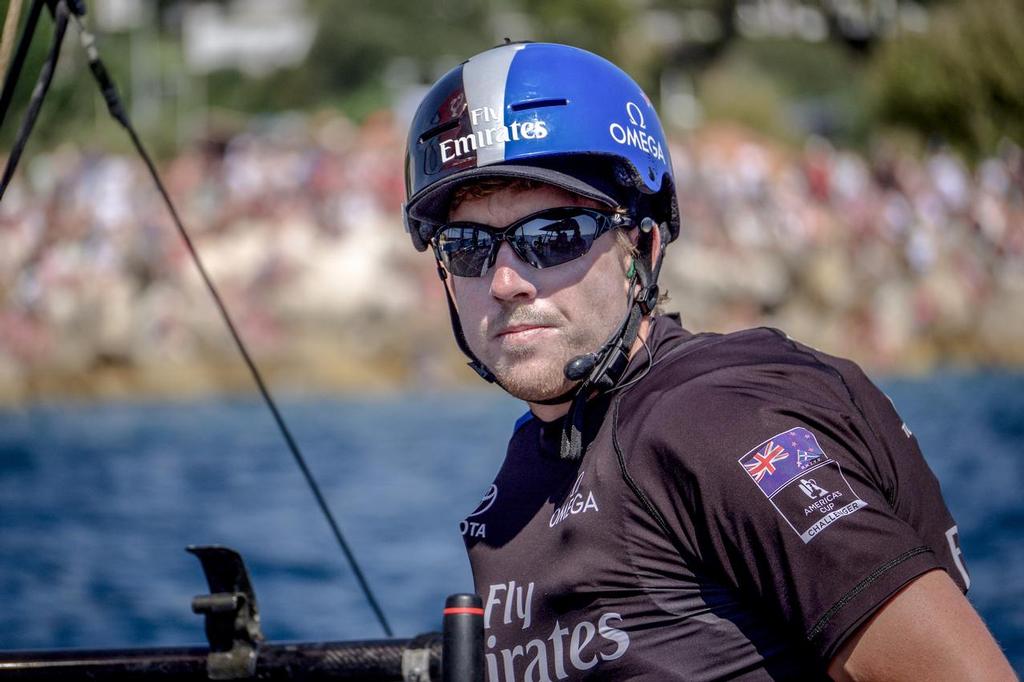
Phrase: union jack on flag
x=782 y=458
x=764 y=461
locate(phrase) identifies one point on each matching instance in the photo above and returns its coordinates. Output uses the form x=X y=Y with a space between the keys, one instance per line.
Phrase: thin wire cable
x=117 y=110
x=646 y=370
x=60 y=18
x=14 y=69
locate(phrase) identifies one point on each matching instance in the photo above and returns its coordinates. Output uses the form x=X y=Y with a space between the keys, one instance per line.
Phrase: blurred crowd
x=900 y=260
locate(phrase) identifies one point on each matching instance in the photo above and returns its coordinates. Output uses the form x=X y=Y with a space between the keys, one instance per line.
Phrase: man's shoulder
x=763 y=356
x=713 y=390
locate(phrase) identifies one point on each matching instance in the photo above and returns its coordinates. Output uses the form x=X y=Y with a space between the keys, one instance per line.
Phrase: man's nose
x=511 y=277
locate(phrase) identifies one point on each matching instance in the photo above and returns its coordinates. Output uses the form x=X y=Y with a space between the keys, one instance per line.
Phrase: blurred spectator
x=895 y=260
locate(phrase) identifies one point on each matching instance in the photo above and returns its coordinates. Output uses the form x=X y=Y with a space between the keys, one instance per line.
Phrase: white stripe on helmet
x=483 y=80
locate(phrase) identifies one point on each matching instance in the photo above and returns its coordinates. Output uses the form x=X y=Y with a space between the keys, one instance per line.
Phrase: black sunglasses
x=543 y=239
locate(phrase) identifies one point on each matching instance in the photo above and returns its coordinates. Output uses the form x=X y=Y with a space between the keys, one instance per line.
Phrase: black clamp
x=647 y=299
x=232 y=616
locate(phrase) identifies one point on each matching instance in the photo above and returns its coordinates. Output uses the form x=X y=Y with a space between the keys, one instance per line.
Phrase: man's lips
x=520 y=330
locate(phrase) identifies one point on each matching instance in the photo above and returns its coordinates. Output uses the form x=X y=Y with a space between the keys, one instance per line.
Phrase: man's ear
x=655 y=244
x=634 y=235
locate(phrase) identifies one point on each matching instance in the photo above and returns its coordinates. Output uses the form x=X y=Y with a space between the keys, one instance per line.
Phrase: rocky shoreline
x=902 y=262
x=324 y=366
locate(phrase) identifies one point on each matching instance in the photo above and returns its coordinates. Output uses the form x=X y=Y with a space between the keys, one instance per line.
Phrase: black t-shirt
x=740 y=509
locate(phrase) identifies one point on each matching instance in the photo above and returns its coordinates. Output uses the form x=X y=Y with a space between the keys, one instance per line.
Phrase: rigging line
x=60 y=18
x=11 y=74
x=117 y=110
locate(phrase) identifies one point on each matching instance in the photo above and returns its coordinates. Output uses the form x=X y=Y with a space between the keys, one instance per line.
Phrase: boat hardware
x=238 y=651
x=232 y=616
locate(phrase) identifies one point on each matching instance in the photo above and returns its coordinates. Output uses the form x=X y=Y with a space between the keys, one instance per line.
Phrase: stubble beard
x=536 y=372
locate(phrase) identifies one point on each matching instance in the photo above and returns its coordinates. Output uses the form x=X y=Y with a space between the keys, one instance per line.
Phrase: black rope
x=14 y=70
x=60 y=17
x=116 y=108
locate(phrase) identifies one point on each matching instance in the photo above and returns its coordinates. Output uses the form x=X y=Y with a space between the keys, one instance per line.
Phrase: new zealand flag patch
x=779 y=460
x=804 y=485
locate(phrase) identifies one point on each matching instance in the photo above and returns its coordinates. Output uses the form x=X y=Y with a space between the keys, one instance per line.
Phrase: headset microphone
x=580 y=367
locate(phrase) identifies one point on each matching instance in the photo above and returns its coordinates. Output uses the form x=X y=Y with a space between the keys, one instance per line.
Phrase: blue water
x=97 y=503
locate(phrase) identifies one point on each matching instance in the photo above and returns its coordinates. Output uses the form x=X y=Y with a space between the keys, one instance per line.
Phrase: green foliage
x=800 y=68
x=594 y=25
x=355 y=46
x=962 y=81
x=73 y=110
x=33 y=64
x=780 y=87
x=739 y=93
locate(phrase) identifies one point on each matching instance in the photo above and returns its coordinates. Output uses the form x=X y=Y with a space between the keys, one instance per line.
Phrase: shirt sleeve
x=778 y=483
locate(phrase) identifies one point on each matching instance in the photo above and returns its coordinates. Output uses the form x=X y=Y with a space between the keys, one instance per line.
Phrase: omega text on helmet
x=634 y=137
x=635 y=134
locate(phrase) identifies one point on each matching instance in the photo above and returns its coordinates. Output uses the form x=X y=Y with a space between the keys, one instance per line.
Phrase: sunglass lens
x=464 y=250
x=546 y=242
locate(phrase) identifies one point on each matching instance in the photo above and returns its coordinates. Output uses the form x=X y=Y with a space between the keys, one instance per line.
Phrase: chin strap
x=612 y=365
x=611 y=360
x=460 y=339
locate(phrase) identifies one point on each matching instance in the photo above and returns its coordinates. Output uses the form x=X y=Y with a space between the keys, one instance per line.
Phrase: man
x=673 y=506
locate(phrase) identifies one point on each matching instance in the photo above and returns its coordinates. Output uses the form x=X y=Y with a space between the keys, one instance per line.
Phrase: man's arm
x=928 y=631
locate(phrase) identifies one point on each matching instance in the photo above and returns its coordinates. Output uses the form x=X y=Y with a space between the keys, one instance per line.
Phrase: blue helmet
x=540 y=111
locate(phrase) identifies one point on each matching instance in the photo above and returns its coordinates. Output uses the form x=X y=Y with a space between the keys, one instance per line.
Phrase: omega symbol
x=636 y=116
x=487 y=502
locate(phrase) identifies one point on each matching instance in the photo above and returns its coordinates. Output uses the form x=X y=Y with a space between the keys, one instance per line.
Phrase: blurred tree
x=594 y=25
x=356 y=47
x=737 y=91
x=962 y=81
x=787 y=88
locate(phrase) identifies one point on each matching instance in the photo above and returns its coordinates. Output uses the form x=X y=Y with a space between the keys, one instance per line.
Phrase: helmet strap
x=453 y=314
x=474 y=362
x=613 y=357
